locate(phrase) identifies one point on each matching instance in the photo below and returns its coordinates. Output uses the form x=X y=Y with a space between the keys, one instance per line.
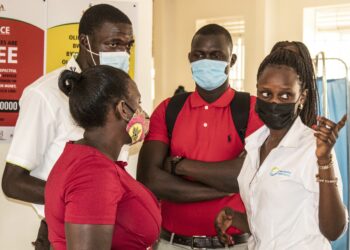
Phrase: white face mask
x=118 y=59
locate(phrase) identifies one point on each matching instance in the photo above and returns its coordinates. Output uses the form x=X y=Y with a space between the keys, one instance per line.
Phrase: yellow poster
x=62 y=43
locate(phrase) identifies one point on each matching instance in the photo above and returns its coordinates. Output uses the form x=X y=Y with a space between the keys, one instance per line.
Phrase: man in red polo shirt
x=200 y=175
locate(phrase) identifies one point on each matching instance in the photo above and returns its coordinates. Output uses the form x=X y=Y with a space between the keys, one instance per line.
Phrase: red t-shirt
x=86 y=187
x=205 y=132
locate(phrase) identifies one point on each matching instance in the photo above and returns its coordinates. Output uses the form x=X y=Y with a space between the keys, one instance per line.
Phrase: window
x=236 y=27
x=327 y=29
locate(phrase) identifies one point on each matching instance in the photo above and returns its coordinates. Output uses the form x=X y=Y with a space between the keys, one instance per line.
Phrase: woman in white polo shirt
x=290 y=183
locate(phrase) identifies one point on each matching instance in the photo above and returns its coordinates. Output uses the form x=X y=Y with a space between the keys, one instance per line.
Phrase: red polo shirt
x=205 y=132
x=86 y=187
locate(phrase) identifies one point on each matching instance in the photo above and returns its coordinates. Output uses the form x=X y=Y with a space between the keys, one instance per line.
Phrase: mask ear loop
x=87 y=37
x=131 y=109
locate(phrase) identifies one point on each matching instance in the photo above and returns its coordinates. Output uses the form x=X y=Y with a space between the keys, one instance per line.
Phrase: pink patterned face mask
x=138 y=125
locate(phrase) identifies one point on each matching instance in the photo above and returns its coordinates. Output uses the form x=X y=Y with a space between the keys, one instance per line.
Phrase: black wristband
x=174 y=161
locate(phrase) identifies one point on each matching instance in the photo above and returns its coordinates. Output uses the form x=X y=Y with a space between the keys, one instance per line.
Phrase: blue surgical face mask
x=209 y=74
x=117 y=59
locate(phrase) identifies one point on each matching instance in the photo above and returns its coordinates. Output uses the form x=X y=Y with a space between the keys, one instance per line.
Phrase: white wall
x=174 y=26
x=267 y=21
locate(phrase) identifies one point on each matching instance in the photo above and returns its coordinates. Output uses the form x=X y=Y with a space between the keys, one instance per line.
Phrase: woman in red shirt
x=91 y=202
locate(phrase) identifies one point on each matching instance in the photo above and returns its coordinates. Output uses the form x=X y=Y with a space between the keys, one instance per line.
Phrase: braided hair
x=296 y=56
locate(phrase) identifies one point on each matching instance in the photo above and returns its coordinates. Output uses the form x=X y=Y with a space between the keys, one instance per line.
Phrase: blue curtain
x=337 y=107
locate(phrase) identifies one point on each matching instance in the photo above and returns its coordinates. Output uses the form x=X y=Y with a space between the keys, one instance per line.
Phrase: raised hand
x=326 y=133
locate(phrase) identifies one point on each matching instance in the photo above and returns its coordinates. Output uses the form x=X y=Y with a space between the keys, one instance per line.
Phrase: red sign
x=21 y=63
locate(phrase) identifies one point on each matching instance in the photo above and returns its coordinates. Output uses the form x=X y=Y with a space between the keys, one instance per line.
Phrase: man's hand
x=151 y=172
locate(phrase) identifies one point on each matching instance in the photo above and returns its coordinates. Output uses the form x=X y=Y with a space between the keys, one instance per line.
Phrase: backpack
x=240 y=107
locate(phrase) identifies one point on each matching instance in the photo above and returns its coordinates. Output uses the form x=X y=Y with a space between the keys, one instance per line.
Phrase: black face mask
x=275 y=115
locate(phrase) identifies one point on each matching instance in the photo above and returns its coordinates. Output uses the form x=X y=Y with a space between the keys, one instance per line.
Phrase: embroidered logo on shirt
x=276 y=171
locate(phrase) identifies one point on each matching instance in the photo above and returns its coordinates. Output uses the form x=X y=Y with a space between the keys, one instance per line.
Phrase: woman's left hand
x=327 y=134
x=222 y=222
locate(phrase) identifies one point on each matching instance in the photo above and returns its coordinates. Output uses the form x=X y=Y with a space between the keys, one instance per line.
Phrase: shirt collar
x=256 y=139
x=290 y=140
x=223 y=101
x=121 y=164
x=73 y=65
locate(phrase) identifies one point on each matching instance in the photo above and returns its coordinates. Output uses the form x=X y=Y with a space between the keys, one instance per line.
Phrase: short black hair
x=214 y=29
x=92 y=92
x=99 y=14
x=304 y=69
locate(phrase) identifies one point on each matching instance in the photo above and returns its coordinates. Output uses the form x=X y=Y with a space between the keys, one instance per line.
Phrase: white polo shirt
x=282 y=196
x=43 y=127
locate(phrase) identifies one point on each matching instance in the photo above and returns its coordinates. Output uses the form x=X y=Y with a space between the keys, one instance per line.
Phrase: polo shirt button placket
x=206 y=107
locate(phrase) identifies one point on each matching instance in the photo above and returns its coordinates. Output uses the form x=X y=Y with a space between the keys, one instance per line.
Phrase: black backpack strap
x=173 y=109
x=240 y=107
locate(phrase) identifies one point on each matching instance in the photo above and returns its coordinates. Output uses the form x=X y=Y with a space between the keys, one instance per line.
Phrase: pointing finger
x=341 y=123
